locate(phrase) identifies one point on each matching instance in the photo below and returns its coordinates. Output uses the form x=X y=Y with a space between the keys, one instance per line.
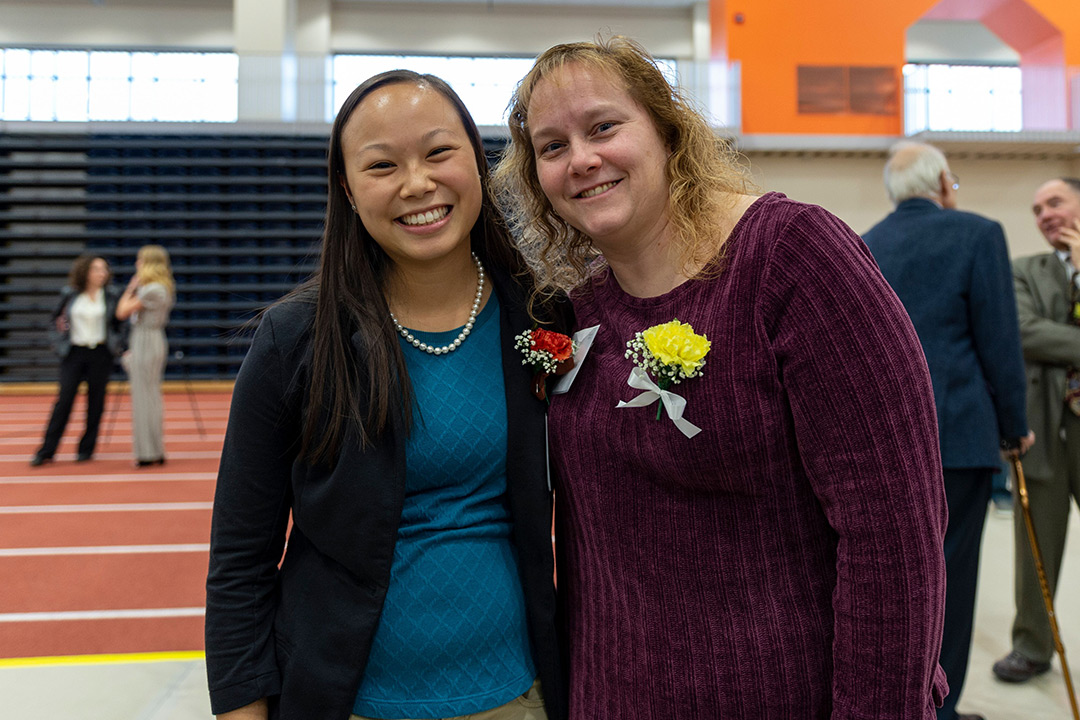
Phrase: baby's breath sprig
x=549 y=353
x=539 y=358
x=671 y=352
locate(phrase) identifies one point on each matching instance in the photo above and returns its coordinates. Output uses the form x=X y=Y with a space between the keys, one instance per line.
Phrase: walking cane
x=1048 y=599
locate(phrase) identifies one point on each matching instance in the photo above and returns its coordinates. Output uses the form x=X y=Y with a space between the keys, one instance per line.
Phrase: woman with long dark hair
x=87 y=337
x=384 y=407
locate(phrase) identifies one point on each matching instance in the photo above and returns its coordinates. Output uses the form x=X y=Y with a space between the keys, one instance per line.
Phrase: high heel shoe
x=148 y=463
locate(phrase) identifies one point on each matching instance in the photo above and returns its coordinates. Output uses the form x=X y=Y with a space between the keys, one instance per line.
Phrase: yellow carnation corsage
x=671 y=352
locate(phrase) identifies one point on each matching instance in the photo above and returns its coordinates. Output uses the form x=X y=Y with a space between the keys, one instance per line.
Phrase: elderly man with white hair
x=951 y=271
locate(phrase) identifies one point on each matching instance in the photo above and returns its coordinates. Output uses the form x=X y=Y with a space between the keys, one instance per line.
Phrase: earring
x=353 y=208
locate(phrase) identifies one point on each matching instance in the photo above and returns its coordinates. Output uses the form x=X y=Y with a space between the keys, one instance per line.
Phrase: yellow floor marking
x=102 y=659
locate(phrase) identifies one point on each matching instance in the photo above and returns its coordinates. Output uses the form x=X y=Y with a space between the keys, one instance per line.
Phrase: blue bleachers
x=240 y=215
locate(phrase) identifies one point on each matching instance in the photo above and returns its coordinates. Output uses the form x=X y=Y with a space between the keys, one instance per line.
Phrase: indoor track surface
x=101 y=557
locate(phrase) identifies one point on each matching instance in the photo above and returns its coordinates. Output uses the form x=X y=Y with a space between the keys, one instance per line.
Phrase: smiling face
x=1056 y=205
x=599 y=158
x=411 y=172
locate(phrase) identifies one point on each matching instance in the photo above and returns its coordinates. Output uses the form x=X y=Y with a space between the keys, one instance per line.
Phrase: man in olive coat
x=1046 y=296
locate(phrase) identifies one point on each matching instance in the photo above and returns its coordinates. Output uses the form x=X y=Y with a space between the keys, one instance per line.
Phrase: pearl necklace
x=450 y=347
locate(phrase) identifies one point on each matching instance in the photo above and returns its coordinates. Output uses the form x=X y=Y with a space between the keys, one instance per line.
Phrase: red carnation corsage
x=549 y=353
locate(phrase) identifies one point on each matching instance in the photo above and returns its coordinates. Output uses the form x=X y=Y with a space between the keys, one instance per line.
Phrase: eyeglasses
x=955 y=180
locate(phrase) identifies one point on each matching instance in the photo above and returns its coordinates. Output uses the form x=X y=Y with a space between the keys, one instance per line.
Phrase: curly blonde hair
x=155 y=266
x=704 y=172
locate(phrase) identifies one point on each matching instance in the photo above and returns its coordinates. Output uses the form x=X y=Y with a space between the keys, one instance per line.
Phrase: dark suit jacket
x=301 y=635
x=1051 y=344
x=115 y=330
x=951 y=271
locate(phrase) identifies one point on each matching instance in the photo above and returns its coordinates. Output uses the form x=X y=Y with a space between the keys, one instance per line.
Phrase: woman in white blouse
x=87 y=337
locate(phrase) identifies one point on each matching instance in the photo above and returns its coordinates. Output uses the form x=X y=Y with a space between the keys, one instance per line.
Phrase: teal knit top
x=452 y=638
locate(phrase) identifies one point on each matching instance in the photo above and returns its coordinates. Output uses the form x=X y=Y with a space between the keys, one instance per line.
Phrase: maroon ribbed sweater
x=785 y=563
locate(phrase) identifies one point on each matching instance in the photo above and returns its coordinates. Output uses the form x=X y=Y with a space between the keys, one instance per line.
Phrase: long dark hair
x=348 y=291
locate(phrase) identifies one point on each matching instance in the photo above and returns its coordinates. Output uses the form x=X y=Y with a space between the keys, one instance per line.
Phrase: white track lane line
x=179 y=455
x=134 y=477
x=103 y=614
x=77 y=423
x=121 y=438
x=111 y=507
x=105 y=550
x=8 y=407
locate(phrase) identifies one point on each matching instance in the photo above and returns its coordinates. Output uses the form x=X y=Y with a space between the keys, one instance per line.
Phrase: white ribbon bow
x=674 y=404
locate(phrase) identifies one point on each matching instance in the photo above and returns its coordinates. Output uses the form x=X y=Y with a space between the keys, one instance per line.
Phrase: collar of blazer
x=1057 y=268
x=919 y=204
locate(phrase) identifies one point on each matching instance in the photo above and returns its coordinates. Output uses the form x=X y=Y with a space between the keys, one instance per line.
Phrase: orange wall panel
x=1066 y=15
x=773 y=39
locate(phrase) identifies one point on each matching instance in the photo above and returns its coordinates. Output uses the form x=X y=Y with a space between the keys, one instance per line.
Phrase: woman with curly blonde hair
x=772 y=549
x=703 y=169
x=147 y=301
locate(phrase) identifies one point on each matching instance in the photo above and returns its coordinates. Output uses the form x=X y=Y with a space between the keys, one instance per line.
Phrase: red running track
x=100 y=557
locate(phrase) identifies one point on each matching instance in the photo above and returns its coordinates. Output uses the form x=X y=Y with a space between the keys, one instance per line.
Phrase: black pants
x=968 y=493
x=93 y=366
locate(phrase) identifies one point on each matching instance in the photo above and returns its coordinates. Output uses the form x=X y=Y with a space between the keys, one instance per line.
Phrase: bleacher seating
x=240 y=215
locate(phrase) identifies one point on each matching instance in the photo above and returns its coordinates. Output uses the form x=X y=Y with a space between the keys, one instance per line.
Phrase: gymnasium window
x=484 y=83
x=961 y=98
x=80 y=86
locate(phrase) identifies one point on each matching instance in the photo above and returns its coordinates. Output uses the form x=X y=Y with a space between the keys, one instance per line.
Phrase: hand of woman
x=129 y=301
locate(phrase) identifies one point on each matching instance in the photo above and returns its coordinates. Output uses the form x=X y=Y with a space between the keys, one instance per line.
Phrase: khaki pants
x=529 y=706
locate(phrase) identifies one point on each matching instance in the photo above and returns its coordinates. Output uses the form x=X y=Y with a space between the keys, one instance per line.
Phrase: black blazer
x=300 y=635
x=115 y=330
